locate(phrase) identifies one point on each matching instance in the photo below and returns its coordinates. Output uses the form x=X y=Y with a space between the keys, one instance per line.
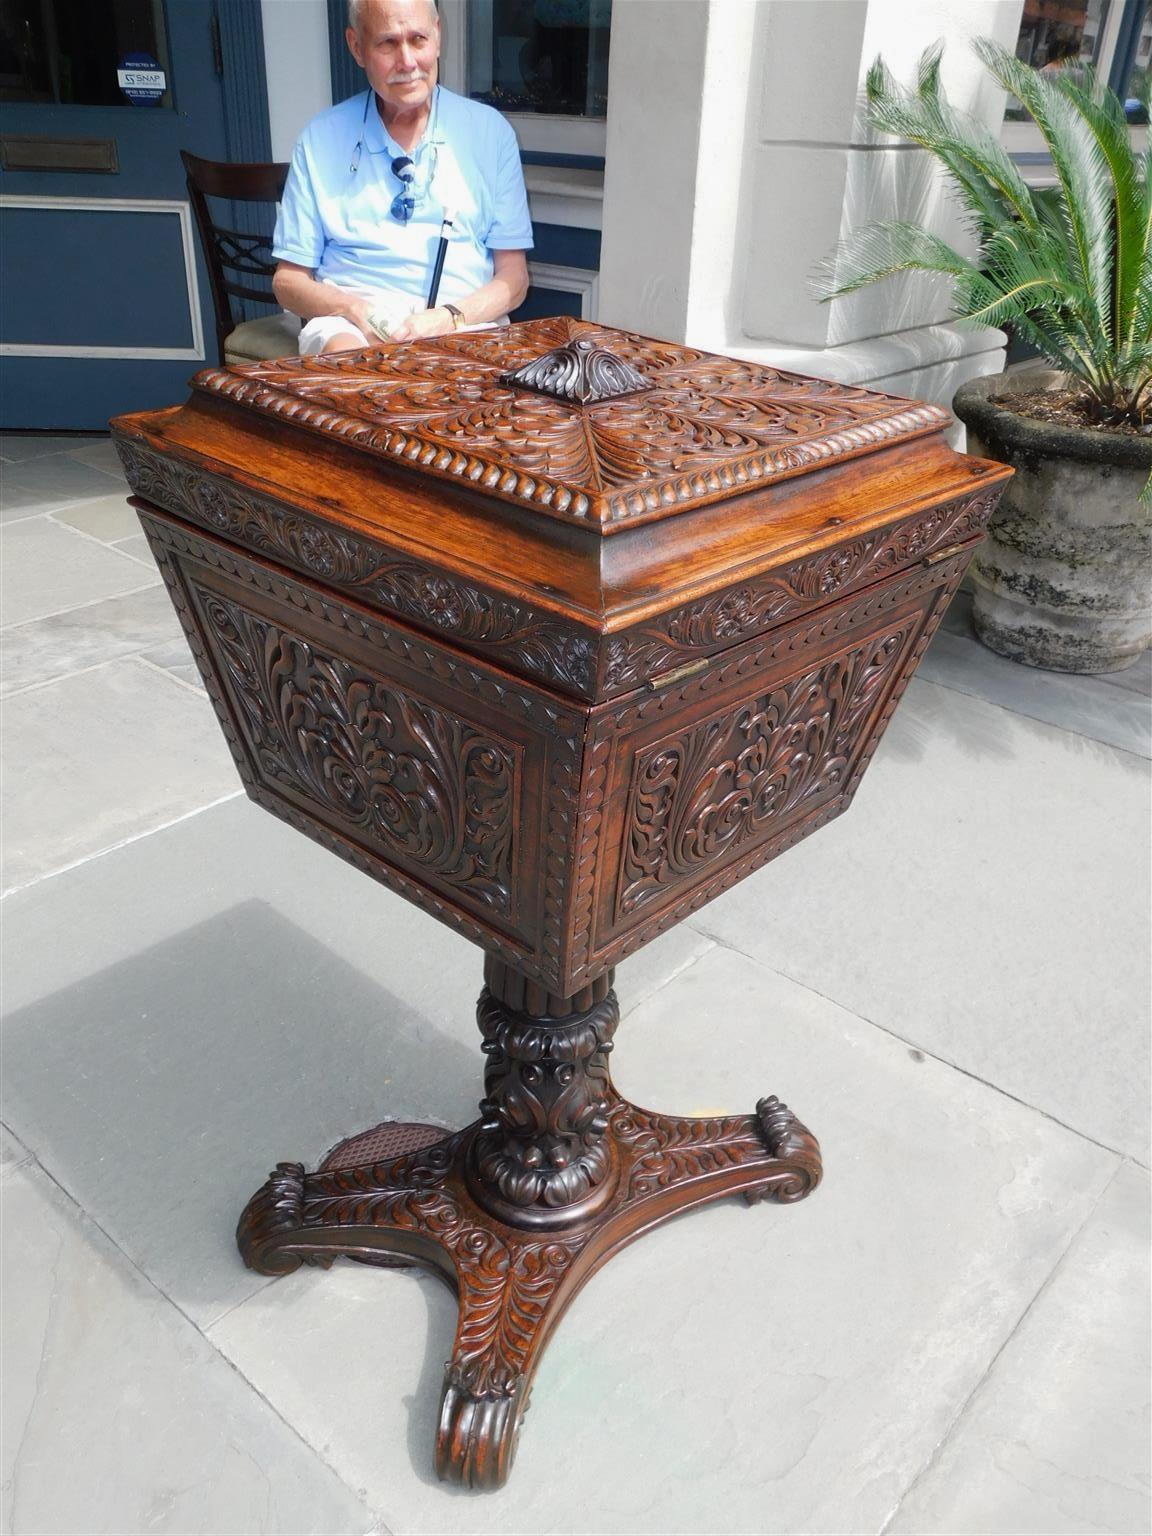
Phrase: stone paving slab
x=1120 y=714
x=1056 y=1437
x=107 y=518
x=88 y=637
x=101 y=453
x=138 y=547
x=28 y=489
x=986 y=897
x=93 y=759
x=768 y=1369
x=47 y=568
x=118 y=1416
x=24 y=447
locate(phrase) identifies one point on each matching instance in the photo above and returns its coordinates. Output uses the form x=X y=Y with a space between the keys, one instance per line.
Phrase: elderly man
x=370 y=184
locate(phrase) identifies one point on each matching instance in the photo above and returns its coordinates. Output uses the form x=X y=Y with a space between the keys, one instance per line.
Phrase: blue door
x=104 y=304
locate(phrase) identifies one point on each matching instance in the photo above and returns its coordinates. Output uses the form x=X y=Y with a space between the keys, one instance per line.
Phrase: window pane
x=540 y=55
x=1058 y=35
x=61 y=51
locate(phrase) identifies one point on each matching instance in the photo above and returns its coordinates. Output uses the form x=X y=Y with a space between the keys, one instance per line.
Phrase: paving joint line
x=954 y=1423
x=126 y=842
x=924 y=1051
x=92 y=602
x=379 y=1529
x=1068 y=730
x=27 y=517
x=83 y=533
x=171 y=676
x=668 y=980
x=64 y=677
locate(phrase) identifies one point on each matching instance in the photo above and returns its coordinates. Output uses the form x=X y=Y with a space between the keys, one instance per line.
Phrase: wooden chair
x=240 y=262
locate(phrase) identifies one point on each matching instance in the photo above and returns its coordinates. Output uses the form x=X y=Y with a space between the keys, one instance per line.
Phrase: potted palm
x=1063 y=581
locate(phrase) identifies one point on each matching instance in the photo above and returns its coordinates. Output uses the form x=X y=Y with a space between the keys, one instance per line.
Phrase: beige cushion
x=255 y=340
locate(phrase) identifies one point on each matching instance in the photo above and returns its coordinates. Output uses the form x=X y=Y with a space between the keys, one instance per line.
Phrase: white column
x=296 y=64
x=651 y=189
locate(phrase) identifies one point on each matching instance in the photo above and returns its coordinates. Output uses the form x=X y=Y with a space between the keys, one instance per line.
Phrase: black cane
x=441 y=252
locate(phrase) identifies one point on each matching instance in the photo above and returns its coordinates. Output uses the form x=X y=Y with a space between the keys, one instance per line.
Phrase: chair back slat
x=243 y=251
x=237 y=181
x=259 y=295
x=231 y=254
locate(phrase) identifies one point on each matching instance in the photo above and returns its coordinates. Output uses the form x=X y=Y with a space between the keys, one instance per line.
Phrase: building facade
x=736 y=156
x=703 y=158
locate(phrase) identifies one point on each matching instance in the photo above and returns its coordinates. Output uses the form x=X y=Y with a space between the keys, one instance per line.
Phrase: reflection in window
x=1137 y=87
x=64 y=51
x=540 y=55
x=1058 y=35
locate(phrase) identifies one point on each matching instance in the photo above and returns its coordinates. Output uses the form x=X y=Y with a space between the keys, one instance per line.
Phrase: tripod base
x=404 y=1194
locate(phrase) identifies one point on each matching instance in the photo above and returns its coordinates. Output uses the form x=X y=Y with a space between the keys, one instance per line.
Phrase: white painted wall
x=820 y=171
x=296 y=61
x=738 y=156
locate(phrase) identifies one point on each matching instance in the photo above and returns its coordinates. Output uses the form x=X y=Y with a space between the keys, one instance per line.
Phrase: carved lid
x=577 y=421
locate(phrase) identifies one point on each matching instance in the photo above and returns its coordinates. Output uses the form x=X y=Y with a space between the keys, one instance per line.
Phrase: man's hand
x=356 y=310
x=425 y=322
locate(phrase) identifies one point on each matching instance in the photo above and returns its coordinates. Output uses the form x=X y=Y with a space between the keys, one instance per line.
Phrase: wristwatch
x=457 y=315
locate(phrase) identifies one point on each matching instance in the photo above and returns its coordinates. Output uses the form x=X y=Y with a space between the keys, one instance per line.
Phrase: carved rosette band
x=541 y=1156
x=504 y=627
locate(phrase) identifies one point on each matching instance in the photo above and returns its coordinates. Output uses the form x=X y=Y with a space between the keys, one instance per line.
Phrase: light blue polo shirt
x=335 y=215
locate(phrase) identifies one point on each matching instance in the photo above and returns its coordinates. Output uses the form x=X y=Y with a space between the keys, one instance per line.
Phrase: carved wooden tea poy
x=558 y=631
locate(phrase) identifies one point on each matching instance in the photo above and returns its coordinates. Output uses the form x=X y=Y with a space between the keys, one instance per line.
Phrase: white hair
x=356 y=6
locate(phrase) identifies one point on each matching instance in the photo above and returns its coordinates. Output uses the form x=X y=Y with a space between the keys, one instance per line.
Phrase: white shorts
x=316 y=334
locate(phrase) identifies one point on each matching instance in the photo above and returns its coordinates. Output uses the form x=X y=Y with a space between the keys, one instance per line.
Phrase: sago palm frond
x=1131 y=194
x=885 y=248
x=1080 y=164
x=988 y=183
x=1068 y=266
x=1141 y=322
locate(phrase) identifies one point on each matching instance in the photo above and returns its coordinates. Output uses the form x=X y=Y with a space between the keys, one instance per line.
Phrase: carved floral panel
x=724 y=784
x=424 y=787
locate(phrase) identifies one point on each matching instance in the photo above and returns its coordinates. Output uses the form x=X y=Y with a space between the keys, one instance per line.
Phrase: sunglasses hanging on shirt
x=404 y=203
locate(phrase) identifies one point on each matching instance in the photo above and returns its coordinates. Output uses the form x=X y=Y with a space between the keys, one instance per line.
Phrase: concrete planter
x=1064 y=579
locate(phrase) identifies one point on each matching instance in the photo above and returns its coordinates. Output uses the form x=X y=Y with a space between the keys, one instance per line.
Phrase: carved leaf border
x=555 y=650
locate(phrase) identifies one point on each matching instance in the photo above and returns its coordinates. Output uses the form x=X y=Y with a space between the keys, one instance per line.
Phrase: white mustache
x=420 y=74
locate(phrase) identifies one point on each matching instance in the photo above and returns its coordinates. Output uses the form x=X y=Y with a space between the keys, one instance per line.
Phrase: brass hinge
x=676 y=675
x=944 y=554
